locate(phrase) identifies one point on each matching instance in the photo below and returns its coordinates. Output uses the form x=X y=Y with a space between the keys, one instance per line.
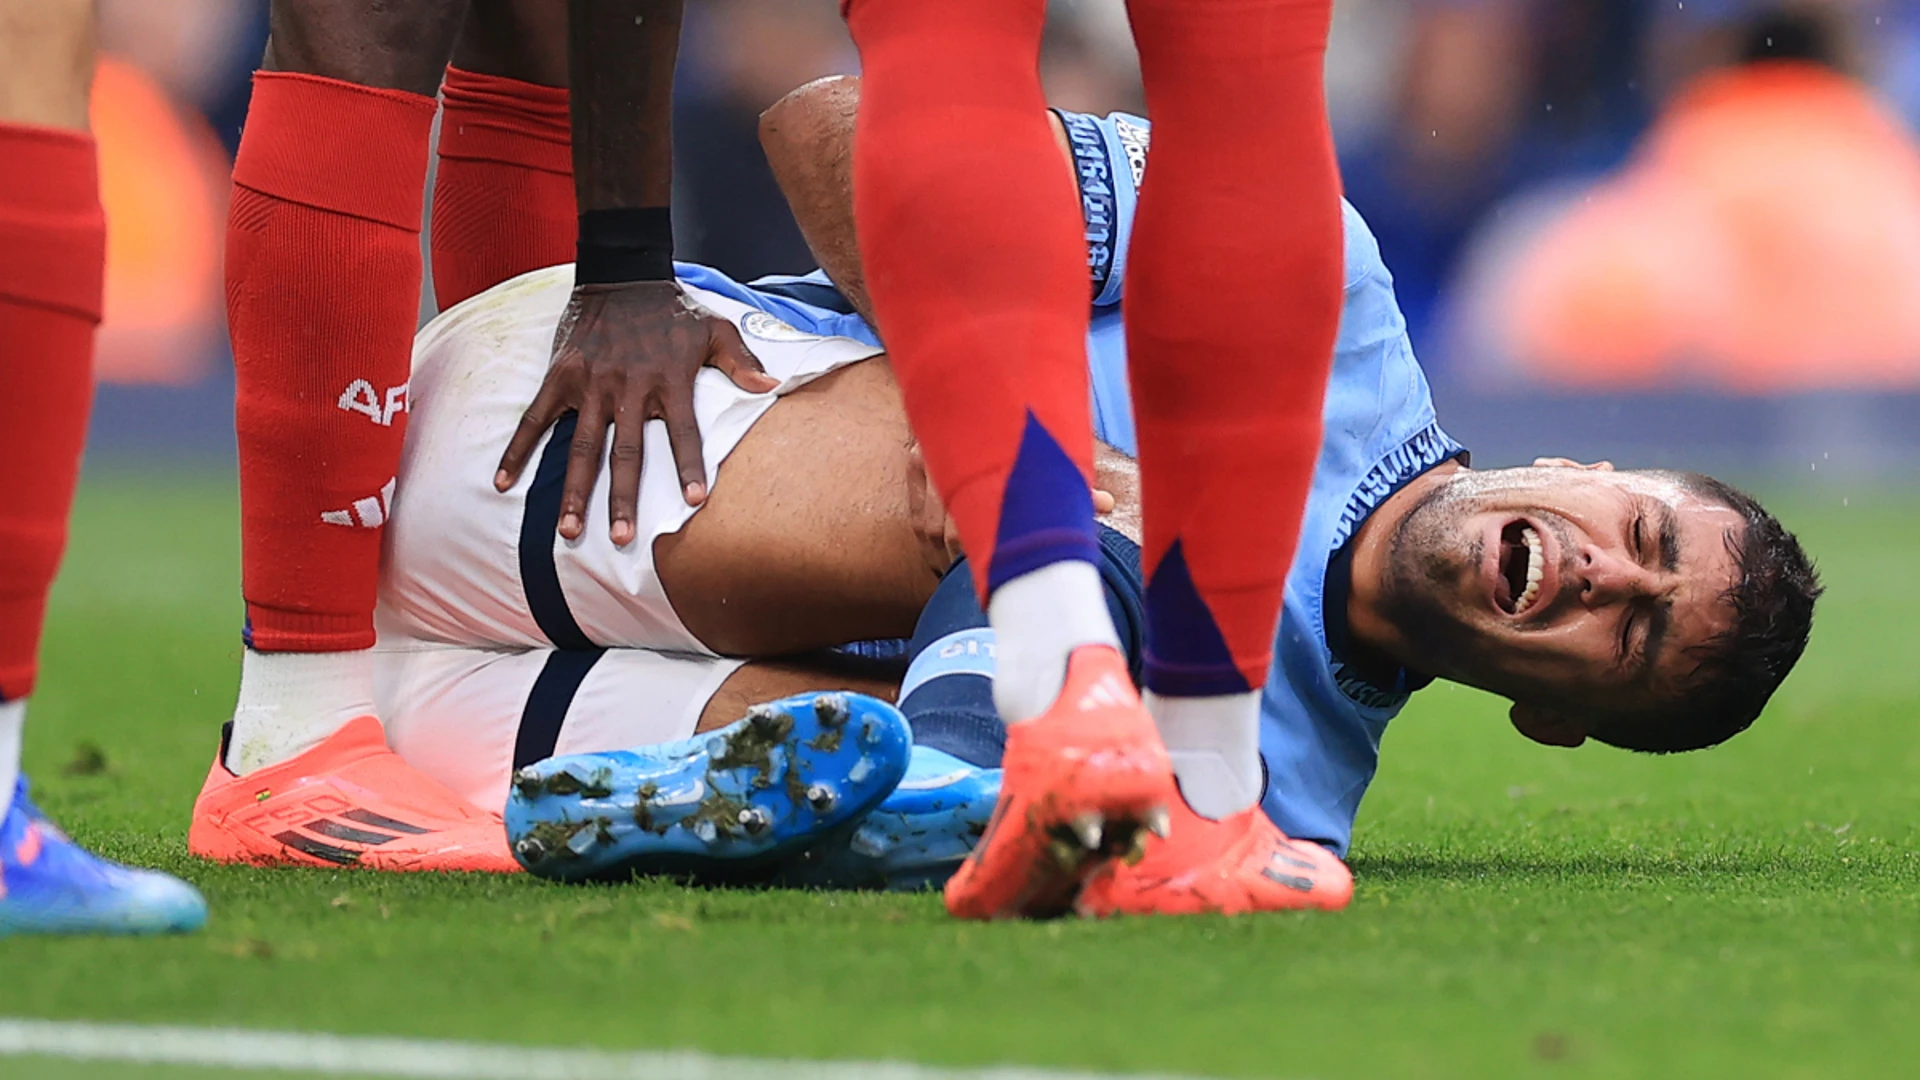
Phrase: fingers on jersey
x=1080 y=783
x=620 y=360
x=350 y=801
x=323 y=281
x=503 y=200
x=970 y=236
x=1240 y=864
x=730 y=804
x=52 y=264
x=1228 y=373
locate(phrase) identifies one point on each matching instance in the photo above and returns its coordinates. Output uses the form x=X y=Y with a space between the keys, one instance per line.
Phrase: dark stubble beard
x=1421 y=594
x=1420 y=574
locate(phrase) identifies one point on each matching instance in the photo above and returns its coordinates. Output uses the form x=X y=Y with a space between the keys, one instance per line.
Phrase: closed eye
x=1653 y=619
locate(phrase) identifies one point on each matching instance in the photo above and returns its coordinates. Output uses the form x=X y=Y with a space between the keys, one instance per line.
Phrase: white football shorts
x=470 y=566
x=469 y=717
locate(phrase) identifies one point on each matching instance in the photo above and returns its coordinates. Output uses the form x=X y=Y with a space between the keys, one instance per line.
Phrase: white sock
x=1215 y=746
x=291 y=702
x=1038 y=619
x=13 y=719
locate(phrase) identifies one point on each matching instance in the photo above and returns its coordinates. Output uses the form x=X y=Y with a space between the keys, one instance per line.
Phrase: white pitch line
x=352 y=1055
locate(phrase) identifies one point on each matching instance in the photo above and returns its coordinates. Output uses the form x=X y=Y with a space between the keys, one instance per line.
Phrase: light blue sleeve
x=1110 y=159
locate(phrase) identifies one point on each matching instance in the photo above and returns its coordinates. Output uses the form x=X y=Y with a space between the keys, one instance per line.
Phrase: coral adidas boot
x=351 y=801
x=1081 y=780
x=1236 y=865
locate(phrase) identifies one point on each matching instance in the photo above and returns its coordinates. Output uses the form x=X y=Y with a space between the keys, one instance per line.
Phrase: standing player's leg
x=971 y=244
x=503 y=200
x=924 y=830
x=52 y=263
x=1229 y=372
x=323 y=291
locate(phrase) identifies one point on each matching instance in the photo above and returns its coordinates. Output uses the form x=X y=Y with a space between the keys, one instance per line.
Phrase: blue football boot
x=916 y=838
x=728 y=805
x=50 y=885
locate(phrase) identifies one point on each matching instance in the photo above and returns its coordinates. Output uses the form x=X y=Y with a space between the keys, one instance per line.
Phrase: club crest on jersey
x=761 y=325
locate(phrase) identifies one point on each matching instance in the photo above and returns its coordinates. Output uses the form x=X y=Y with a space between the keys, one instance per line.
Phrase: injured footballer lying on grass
x=656 y=707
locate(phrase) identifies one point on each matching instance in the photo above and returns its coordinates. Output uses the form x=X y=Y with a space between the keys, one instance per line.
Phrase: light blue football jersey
x=1320 y=725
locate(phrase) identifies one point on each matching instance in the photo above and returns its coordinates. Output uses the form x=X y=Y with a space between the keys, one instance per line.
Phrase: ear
x=1546 y=727
x=1569 y=463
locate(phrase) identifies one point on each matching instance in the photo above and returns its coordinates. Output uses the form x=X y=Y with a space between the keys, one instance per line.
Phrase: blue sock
x=947 y=695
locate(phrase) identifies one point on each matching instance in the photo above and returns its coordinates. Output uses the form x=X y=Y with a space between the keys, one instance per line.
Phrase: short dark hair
x=1739 y=669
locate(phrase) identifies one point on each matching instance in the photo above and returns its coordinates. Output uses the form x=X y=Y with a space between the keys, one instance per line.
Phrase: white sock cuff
x=292 y=702
x=1039 y=619
x=13 y=721
x=1215 y=746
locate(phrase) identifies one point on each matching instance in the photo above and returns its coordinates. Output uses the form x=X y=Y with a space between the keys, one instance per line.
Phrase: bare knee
x=387 y=44
x=46 y=62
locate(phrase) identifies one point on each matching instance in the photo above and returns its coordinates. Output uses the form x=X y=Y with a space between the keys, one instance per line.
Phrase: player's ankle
x=1039 y=619
x=13 y=717
x=1214 y=742
x=292 y=702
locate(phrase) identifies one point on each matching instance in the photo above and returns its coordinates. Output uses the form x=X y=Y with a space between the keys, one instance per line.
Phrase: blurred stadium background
x=1614 y=234
x=1661 y=231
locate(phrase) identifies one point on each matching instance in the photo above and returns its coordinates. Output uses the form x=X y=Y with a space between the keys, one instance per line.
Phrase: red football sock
x=503 y=197
x=53 y=250
x=971 y=238
x=1233 y=302
x=323 y=291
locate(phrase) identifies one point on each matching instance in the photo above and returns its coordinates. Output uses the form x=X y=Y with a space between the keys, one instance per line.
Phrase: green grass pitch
x=1751 y=911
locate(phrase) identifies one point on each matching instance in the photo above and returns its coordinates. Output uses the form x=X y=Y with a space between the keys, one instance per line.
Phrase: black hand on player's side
x=624 y=355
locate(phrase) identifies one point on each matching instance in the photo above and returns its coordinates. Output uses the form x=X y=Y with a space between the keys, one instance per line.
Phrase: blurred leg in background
x=52 y=267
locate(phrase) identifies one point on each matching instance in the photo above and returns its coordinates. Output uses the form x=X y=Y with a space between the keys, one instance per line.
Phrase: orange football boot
x=1232 y=866
x=1081 y=780
x=351 y=801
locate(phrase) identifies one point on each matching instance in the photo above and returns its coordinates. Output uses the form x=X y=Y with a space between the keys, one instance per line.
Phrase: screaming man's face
x=1571 y=590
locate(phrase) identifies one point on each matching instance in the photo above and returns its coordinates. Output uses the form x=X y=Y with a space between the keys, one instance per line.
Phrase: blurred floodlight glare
x=163 y=185
x=1764 y=238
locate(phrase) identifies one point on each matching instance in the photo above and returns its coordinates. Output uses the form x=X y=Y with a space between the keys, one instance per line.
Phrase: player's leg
x=920 y=835
x=503 y=199
x=1228 y=401
x=786 y=754
x=52 y=264
x=947 y=693
x=323 y=279
x=470 y=718
x=969 y=236
x=972 y=249
x=323 y=285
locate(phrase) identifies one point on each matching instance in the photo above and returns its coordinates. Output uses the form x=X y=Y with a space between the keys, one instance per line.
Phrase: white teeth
x=1536 y=570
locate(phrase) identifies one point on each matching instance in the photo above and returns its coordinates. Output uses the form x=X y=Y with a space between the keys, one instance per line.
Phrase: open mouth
x=1522 y=566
